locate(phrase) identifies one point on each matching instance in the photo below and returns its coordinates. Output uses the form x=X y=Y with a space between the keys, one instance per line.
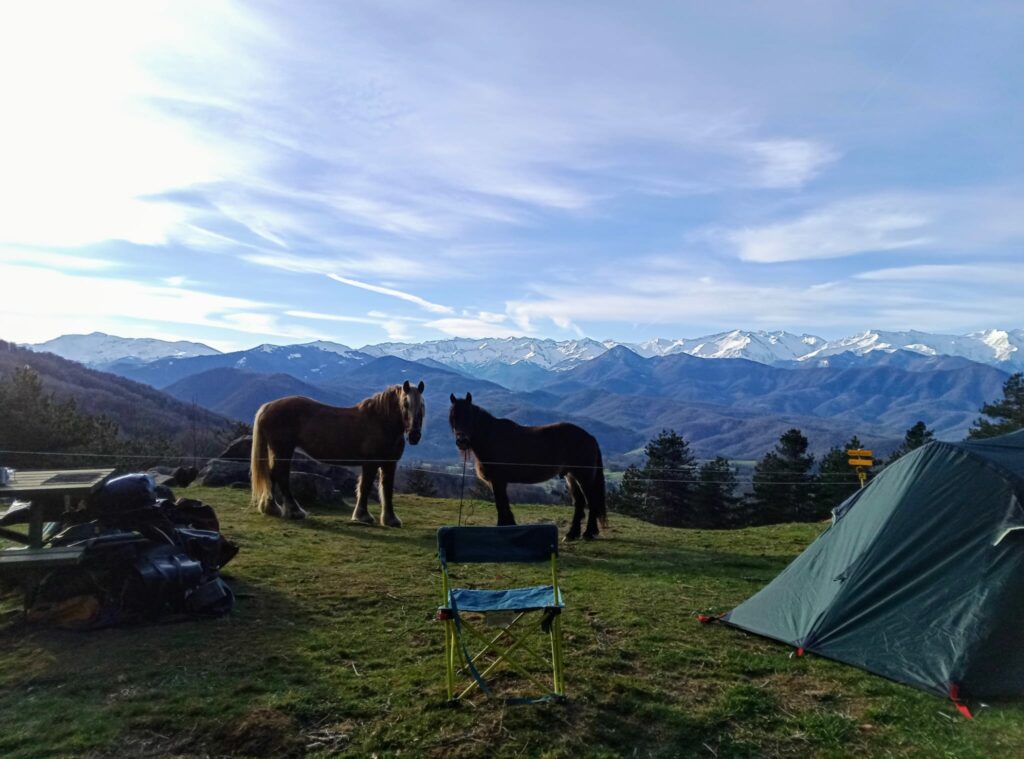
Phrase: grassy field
x=331 y=651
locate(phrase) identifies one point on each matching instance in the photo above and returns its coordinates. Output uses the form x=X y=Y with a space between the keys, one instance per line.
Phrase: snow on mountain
x=341 y=350
x=99 y=348
x=469 y=352
x=760 y=346
x=993 y=346
x=531 y=357
x=1006 y=345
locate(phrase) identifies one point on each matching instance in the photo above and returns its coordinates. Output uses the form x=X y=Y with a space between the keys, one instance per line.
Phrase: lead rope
x=462 y=487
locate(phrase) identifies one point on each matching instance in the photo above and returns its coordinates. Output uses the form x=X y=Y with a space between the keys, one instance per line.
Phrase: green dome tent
x=920 y=577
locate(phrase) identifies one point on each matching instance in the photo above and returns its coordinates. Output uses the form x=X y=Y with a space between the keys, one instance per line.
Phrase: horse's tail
x=260 y=463
x=597 y=501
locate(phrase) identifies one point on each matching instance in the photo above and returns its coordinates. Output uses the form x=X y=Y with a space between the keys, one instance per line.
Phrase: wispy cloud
x=391 y=265
x=843 y=229
x=436 y=308
x=721 y=302
x=77 y=299
x=51 y=260
x=397 y=328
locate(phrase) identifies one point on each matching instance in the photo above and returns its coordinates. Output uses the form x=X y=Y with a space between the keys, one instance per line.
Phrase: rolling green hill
x=331 y=651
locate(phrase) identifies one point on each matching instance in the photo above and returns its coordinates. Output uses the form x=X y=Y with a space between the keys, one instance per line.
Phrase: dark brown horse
x=509 y=452
x=370 y=435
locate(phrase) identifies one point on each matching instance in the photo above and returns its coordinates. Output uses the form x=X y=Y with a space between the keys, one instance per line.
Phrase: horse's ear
x=469 y=397
x=420 y=386
x=452 y=396
x=405 y=386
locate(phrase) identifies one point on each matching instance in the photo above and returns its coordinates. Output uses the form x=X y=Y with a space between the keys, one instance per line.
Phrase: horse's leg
x=578 y=499
x=361 y=513
x=387 y=492
x=282 y=474
x=593 y=502
x=501 y=501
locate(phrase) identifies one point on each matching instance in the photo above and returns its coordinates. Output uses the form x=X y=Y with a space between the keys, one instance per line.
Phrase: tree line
x=40 y=430
x=787 y=485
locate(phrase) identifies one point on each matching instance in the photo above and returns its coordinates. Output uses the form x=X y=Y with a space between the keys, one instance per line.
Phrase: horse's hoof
x=590 y=535
x=363 y=518
x=272 y=510
x=391 y=522
x=297 y=514
x=570 y=537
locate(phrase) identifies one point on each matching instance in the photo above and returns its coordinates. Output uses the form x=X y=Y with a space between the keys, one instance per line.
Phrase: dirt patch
x=261 y=732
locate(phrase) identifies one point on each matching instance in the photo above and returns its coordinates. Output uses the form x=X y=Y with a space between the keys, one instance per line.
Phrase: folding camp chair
x=509 y=647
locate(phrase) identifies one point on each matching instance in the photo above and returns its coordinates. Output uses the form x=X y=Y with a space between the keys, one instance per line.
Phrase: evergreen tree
x=913 y=439
x=45 y=430
x=628 y=497
x=783 y=483
x=1009 y=412
x=671 y=470
x=715 y=500
x=662 y=490
x=837 y=480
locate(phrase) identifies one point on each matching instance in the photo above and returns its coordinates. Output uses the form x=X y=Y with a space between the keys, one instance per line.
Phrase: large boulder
x=240 y=450
x=219 y=473
x=313 y=488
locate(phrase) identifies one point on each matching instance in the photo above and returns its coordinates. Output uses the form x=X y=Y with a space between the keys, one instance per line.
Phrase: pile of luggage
x=147 y=557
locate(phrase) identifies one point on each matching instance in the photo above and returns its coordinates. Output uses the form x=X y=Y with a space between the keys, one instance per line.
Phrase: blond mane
x=384 y=404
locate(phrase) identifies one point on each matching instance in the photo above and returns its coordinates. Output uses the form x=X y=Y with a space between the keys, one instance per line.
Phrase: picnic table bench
x=42 y=496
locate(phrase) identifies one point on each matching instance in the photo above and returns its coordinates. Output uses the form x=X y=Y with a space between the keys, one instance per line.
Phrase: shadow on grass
x=219 y=684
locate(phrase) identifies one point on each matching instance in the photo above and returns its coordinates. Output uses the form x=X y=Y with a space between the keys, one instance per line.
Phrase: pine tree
x=715 y=501
x=628 y=497
x=913 y=439
x=1009 y=411
x=837 y=480
x=671 y=470
x=783 y=483
x=45 y=430
x=662 y=490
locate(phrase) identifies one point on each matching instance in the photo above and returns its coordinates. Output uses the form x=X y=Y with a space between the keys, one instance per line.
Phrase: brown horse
x=509 y=452
x=370 y=435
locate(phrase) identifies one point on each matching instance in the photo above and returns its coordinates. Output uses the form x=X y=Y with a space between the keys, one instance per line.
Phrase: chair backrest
x=519 y=543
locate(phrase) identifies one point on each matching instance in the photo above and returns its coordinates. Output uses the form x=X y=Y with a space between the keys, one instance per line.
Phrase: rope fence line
x=360 y=462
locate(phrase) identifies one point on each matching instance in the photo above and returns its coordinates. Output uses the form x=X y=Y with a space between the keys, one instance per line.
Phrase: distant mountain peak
x=99 y=348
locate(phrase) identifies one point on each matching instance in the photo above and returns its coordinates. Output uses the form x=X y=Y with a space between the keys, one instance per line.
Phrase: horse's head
x=462 y=418
x=413 y=408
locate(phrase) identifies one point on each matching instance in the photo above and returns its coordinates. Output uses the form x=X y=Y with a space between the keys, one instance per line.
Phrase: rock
x=307 y=487
x=185 y=475
x=314 y=488
x=239 y=449
x=219 y=473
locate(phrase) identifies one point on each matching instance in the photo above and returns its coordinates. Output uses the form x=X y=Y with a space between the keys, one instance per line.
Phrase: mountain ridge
x=529 y=357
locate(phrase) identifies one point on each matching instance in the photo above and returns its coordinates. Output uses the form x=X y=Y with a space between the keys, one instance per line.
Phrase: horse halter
x=466 y=411
x=412 y=418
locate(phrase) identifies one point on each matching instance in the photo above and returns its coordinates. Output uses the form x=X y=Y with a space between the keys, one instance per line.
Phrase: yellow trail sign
x=861 y=462
x=859 y=453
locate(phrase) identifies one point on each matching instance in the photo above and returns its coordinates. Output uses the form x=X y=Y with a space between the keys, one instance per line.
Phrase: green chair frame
x=511 y=645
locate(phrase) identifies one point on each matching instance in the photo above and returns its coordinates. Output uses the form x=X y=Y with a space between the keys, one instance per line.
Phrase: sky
x=239 y=173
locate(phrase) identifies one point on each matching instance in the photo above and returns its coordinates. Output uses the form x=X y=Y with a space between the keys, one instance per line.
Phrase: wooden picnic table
x=49 y=493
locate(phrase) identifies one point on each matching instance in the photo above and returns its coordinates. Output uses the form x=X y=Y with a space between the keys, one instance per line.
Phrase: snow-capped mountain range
x=996 y=347
x=99 y=348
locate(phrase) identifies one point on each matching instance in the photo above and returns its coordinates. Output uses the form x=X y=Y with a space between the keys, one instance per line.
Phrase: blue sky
x=281 y=172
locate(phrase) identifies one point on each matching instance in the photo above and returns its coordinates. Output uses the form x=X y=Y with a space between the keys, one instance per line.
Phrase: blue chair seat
x=511 y=599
